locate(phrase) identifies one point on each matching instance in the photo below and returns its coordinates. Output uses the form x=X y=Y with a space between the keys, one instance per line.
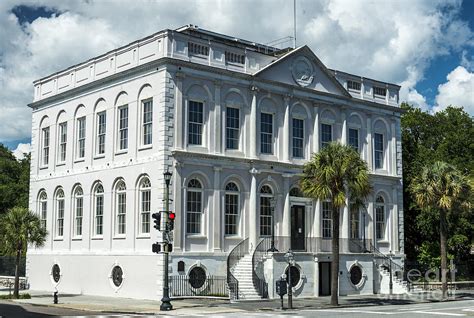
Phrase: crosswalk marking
x=437 y=313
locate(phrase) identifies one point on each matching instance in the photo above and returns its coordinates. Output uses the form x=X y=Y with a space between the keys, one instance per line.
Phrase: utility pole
x=166 y=301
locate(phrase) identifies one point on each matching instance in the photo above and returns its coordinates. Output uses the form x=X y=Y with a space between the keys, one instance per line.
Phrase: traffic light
x=170 y=247
x=156 y=248
x=157 y=219
x=171 y=217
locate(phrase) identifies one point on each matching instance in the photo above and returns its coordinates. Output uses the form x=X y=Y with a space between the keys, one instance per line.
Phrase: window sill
x=232 y=237
x=79 y=160
x=383 y=241
x=77 y=238
x=120 y=237
x=234 y=152
x=143 y=236
x=59 y=238
x=101 y=156
x=198 y=148
x=96 y=238
x=43 y=167
x=121 y=152
x=59 y=164
x=197 y=236
x=145 y=147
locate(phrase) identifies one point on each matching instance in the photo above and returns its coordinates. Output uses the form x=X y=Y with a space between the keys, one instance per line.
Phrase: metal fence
x=213 y=286
x=7 y=266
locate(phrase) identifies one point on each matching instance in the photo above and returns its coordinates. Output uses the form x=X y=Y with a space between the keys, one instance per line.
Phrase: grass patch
x=21 y=296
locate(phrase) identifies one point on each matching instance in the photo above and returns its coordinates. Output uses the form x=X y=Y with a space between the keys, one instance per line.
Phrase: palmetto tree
x=441 y=187
x=336 y=173
x=18 y=228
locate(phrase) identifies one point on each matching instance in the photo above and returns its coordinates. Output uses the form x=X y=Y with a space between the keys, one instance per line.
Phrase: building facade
x=234 y=121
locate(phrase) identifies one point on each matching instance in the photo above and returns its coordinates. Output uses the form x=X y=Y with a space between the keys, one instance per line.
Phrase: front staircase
x=242 y=271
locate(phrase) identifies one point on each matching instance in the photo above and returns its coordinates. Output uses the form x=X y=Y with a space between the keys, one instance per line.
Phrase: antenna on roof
x=294 y=24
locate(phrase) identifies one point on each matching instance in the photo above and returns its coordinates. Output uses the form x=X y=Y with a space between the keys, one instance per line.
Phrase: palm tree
x=336 y=173
x=18 y=228
x=441 y=187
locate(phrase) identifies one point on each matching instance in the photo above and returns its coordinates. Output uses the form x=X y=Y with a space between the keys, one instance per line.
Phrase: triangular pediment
x=301 y=67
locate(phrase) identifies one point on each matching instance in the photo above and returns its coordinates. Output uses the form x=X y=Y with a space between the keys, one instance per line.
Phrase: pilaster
x=253 y=123
x=217 y=228
x=253 y=236
x=286 y=129
x=178 y=141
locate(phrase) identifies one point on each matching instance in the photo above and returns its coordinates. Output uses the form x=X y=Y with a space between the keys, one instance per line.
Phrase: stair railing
x=382 y=260
x=233 y=258
x=258 y=276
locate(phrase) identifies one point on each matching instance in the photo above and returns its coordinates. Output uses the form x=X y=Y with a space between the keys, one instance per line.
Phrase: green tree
x=442 y=188
x=18 y=228
x=336 y=173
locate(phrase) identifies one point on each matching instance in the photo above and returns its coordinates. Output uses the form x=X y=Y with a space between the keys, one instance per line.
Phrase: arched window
x=194 y=207
x=60 y=213
x=232 y=209
x=145 y=205
x=120 y=207
x=98 y=209
x=296 y=192
x=380 y=218
x=43 y=208
x=266 y=211
x=78 y=210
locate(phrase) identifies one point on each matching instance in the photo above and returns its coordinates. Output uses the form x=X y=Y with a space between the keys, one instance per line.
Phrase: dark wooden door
x=324 y=278
x=298 y=234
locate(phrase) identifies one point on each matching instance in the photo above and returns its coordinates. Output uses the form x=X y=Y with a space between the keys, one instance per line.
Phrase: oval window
x=197 y=277
x=295 y=275
x=356 y=274
x=117 y=275
x=56 y=272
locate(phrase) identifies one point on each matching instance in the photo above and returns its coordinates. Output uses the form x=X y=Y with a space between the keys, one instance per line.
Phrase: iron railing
x=234 y=257
x=258 y=276
x=384 y=261
x=320 y=244
x=182 y=286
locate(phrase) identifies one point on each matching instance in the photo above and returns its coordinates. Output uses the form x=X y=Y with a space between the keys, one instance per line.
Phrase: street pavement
x=421 y=305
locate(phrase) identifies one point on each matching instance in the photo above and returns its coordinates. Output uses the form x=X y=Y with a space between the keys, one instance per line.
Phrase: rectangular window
x=195 y=122
x=380 y=222
x=78 y=220
x=123 y=128
x=60 y=218
x=101 y=126
x=62 y=141
x=355 y=221
x=353 y=85
x=81 y=137
x=327 y=220
x=99 y=214
x=193 y=215
x=378 y=151
x=298 y=138
x=145 y=211
x=266 y=133
x=380 y=91
x=45 y=152
x=232 y=128
x=121 y=212
x=265 y=216
x=147 y=122
x=231 y=213
x=326 y=134
x=354 y=138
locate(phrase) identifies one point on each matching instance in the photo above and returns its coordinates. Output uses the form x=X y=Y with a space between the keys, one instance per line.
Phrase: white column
x=253 y=222
x=393 y=154
x=370 y=220
x=286 y=220
x=178 y=206
x=344 y=126
x=317 y=218
x=345 y=225
x=178 y=115
x=218 y=119
x=217 y=209
x=394 y=245
x=253 y=123
x=286 y=130
x=316 y=129
x=369 y=143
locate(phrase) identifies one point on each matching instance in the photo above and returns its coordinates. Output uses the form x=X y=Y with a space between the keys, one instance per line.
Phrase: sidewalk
x=201 y=306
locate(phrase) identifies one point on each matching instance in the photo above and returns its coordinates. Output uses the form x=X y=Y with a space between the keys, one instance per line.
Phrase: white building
x=234 y=121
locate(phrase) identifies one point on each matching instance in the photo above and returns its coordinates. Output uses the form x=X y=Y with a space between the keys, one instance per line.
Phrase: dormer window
x=353 y=85
x=380 y=91
x=198 y=49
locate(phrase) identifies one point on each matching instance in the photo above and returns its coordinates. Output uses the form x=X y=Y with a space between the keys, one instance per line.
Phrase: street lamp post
x=272 y=206
x=291 y=259
x=166 y=301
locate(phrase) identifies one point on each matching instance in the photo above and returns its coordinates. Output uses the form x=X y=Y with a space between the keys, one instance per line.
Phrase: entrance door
x=324 y=278
x=298 y=234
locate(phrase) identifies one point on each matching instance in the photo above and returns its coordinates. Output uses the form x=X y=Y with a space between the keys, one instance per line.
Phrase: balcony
x=318 y=245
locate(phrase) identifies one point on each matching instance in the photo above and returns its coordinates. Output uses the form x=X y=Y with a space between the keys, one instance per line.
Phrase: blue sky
x=426 y=46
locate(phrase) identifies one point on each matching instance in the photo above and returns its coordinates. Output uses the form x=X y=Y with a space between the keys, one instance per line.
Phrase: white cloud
x=457 y=91
x=21 y=150
x=388 y=42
